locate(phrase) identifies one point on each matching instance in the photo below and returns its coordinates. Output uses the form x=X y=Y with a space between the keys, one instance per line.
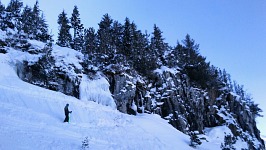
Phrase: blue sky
x=231 y=34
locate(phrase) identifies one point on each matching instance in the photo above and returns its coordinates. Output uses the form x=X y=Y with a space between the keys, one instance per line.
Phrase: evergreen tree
x=12 y=17
x=239 y=90
x=193 y=63
x=78 y=29
x=116 y=58
x=146 y=61
x=254 y=109
x=117 y=34
x=35 y=19
x=189 y=53
x=2 y=16
x=43 y=33
x=127 y=39
x=34 y=24
x=137 y=42
x=64 y=36
x=245 y=97
x=229 y=142
x=194 y=139
x=90 y=41
x=214 y=81
x=104 y=36
x=14 y=8
x=172 y=57
x=90 y=47
x=158 y=45
x=26 y=20
x=140 y=43
x=2 y=9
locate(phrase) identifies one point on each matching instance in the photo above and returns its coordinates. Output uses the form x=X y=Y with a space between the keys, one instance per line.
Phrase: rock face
x=187 y=108
x=128 y=92
x=123 y=90
x=53 y=79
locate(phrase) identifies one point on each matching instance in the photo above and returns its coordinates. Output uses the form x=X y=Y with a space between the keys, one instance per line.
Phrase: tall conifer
x=105 y=35
x=64 y=36
x=12 y=17
x=78 y=37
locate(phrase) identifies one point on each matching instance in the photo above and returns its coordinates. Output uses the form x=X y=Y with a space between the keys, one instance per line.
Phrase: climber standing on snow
x=67 y=113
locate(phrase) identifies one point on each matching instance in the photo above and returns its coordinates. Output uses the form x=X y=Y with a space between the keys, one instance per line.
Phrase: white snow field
x=32 y=118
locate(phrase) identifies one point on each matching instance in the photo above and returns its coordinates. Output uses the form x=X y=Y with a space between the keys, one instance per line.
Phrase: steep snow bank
x=32 y=118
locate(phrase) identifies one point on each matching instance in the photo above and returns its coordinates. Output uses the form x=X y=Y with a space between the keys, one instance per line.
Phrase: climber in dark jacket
x=67 y=113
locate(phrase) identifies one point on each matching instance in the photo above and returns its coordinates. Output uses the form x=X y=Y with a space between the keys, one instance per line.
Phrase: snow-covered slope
x=215 y=136
x=32 y=118
x=263 y=137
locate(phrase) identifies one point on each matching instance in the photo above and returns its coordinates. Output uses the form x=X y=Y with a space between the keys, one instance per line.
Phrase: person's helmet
x=67 y=104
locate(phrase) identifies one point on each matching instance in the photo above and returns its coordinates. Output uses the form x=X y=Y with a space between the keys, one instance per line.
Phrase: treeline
x=28 y=22
x=122 y=47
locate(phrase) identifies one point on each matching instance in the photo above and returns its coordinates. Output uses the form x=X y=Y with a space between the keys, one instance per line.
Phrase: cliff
x=187 y=108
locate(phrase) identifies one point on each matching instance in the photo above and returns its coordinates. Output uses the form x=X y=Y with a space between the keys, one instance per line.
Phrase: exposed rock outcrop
x=51 y=78
x=187 y=108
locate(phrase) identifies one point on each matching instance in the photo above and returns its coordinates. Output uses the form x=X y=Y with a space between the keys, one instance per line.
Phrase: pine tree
x=172 y=57
x=214 y=81
x=254 y=109
x=117 y=33
x=127 y=39
x=135 y=46
x=239 y=90
x=12 y=17
x=193 y=63
x=229 y=142
x=33 y=23
x=2 y=16
x=194 y=139
x=14 y=8
x=26 y=20
x=43 y=33
x=2 y=9
x=89 y=47
x=104 y=36
x=158 y=45
x=147 y=60
x=64 y=36
x=139 y=44
x=90 y=41
x=35 y=19
x=189 y=52
x=78 y=29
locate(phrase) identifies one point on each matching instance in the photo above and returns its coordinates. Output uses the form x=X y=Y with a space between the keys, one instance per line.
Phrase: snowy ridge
x=32 y=118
